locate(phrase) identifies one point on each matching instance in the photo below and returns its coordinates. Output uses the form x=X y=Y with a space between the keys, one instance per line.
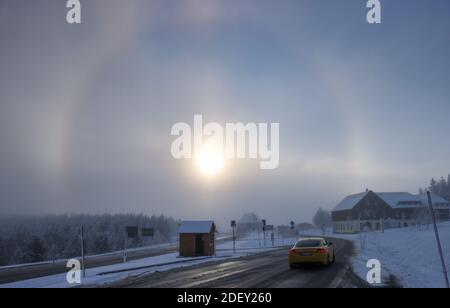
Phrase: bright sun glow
x=210 y=160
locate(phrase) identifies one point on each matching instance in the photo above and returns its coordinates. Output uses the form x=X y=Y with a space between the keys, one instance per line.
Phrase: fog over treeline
x=46 y=238
x=91 y=132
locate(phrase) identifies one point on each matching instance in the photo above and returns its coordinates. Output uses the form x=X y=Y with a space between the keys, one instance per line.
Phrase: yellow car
x=311 y=250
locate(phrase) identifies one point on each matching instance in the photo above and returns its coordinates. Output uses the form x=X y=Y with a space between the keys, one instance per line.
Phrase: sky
x=86 y=110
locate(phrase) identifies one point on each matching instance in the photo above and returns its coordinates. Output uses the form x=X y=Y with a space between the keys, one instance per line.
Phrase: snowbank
x=410 y=254
x=108 y=274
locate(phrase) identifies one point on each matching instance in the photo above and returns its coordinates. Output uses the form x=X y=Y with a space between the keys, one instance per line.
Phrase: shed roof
x=192 y=227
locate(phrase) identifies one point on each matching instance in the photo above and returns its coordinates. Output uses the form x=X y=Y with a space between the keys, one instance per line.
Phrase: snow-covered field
x=409 y=254
x=108 y=274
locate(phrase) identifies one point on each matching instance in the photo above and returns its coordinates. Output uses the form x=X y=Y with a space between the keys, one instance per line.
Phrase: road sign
x=292 y=225
x=270 y=228
x=264 y=222
x=148 y=232
x=132 y=232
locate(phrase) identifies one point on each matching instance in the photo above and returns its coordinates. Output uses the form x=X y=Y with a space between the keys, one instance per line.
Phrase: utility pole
x=82 y=253
x=438 y=240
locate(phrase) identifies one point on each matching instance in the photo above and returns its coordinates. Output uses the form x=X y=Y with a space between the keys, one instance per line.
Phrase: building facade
x=371 y=211
x=197 y=238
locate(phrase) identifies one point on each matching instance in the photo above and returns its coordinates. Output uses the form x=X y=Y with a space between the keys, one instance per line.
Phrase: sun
x=210 y=160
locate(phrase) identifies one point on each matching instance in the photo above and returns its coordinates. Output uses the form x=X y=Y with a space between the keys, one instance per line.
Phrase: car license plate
x=306 y=254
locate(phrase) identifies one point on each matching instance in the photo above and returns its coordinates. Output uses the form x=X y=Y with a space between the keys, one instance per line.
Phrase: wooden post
x=436 y=232
x=125 y=244
x=82 y=253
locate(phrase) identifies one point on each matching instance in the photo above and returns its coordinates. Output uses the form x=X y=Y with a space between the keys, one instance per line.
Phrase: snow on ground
x=108 y=274
x=410 y=254
x=255 y=242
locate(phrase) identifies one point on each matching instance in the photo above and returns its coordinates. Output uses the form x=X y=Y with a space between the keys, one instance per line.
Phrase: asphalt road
x=267 y=270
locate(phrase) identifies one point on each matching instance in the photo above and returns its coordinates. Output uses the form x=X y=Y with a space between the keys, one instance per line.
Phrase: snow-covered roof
x=394 y=200
x=350 y=201
x=437 y=200
x=196 y=227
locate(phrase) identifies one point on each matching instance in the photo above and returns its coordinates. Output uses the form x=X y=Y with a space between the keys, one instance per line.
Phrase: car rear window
x=309 y=243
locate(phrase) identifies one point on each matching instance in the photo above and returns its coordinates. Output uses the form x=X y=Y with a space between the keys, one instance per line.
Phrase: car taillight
x=292 y=251
x=321 y=250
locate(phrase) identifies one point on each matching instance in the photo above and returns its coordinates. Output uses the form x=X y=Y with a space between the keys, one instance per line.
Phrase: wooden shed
x=197 y=238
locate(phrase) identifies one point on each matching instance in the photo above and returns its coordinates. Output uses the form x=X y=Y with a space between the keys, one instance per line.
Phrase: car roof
x=311 y=239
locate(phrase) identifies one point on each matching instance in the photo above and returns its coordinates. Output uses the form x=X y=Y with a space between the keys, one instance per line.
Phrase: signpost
x=438 y=240
x=125 y=244
x=178 y=238
x=82 y=253
x=131 y=232
x=147 y=232
x=233 y=226
x=259 y=237
x=264 y=231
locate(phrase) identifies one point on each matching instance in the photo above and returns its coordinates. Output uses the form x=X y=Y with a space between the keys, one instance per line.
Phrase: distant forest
x=440 y=187
x=47 y=238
